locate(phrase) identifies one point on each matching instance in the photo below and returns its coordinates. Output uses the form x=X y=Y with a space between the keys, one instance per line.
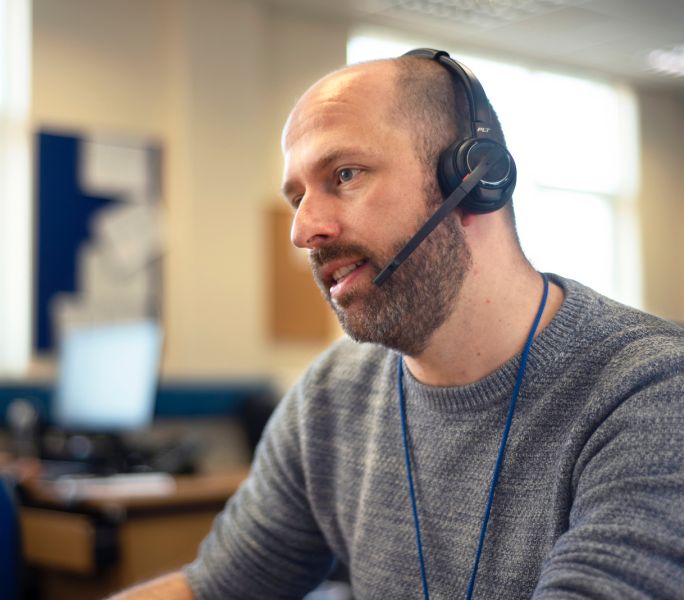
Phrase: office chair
x=10 y=542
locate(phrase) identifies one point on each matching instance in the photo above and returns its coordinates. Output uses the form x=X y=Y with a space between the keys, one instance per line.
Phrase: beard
x=418 y=297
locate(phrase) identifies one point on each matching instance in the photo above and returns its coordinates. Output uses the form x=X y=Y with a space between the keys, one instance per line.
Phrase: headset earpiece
x=494 y=189
x=459 y=159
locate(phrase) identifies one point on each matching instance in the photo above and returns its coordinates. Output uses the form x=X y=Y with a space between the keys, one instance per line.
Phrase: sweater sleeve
x=625 y=535
x=266 y=543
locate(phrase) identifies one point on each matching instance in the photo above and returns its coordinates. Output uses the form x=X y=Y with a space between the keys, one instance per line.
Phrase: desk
x=89 y=548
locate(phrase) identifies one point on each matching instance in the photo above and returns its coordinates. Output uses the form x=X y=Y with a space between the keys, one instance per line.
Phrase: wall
x=214 y=81
x=662 y=201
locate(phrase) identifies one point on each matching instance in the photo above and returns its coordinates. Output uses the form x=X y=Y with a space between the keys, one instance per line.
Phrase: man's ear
x=466 y=218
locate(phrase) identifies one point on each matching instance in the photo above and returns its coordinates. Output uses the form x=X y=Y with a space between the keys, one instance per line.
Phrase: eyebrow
x=321 y=163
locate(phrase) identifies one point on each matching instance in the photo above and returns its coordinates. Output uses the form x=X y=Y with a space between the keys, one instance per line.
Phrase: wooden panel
x=153 y=534
x=58 y=540
x=298 y=311
x=60 y=585
x=154 y=545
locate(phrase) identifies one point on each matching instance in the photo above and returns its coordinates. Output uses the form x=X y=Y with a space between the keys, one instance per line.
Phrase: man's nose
x=315 y=223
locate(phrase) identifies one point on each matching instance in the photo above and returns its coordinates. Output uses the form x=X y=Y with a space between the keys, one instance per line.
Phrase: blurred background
x=591 y=95
x=139 y=173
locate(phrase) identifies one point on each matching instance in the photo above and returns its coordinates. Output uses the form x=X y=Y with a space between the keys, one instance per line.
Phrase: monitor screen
x=108 y=377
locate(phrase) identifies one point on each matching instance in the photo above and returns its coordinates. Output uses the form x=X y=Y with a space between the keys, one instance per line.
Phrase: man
x=495 y=433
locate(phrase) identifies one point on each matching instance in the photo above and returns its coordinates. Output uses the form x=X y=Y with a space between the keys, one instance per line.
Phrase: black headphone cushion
x=494 y=190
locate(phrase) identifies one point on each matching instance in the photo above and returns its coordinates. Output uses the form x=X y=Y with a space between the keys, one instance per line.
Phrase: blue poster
x=99 y=233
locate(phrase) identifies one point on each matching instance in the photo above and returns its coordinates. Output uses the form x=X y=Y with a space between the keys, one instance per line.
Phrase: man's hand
x=173 y=586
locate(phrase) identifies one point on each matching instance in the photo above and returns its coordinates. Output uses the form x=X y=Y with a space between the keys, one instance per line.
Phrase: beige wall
x=214 y=81
x=662 y=201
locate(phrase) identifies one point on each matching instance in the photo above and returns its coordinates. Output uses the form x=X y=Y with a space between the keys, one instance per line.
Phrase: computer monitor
x=107 y=377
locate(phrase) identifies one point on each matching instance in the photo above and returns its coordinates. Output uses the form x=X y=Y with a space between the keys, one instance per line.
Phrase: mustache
x=323 y=255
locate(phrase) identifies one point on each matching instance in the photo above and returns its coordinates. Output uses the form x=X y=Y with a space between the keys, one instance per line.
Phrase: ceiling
x=605 y=36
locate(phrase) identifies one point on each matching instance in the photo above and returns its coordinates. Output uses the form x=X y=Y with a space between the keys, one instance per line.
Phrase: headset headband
x=480 y=113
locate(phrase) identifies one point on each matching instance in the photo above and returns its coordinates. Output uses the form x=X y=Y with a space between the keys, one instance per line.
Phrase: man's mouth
x=339 y=274
x=343 y=279
x=339 y=269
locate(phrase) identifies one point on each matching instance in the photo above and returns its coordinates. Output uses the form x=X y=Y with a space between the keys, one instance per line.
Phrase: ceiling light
x=668 y=62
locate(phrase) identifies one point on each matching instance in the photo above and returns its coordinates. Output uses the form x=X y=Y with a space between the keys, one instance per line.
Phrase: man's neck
x=488 y=327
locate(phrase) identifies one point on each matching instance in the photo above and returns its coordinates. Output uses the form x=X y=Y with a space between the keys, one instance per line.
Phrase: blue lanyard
x=497 y=465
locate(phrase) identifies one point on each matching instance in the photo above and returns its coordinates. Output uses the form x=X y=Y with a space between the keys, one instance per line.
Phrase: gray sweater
x=590 y=500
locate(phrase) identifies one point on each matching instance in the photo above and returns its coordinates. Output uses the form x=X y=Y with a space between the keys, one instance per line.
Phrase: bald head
x=371 y=83
x=413 y=95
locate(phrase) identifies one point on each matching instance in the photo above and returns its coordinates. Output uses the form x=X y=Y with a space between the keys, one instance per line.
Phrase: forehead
x=355 y=102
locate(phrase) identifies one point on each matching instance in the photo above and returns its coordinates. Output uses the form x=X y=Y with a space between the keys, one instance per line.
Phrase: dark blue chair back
x=10 y=548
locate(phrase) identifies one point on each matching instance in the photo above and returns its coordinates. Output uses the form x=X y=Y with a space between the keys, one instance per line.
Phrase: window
x=15 y=198
x=575 y=144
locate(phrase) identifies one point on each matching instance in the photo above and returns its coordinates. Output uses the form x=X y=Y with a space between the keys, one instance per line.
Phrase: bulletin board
x=98 y=232
x=297 y=310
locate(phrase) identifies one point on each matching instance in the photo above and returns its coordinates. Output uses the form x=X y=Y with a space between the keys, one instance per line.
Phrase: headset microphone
x=453 y=200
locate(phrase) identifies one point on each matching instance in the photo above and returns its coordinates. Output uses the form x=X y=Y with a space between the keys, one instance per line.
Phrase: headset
x=477 y=173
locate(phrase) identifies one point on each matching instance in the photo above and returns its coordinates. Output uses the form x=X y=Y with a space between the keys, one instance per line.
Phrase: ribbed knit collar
x=545 y=356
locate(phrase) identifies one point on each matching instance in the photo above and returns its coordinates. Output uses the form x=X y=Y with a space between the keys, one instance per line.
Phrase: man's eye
x=347 y=174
